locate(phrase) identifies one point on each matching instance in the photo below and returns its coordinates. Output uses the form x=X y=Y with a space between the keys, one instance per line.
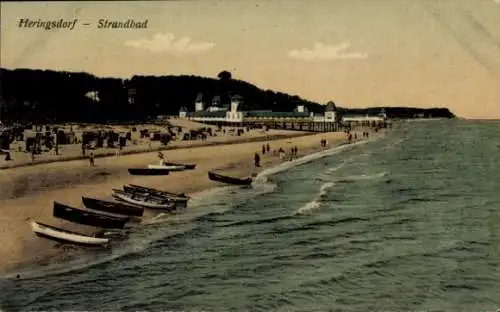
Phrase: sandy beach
x=226 y=135
x=28 y=192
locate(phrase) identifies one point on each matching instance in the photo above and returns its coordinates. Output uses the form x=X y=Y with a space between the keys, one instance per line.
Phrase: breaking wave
x=315 y=204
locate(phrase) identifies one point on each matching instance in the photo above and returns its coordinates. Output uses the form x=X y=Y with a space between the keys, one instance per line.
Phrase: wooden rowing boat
x=186 y=166
x=229 y=180
x=65 y=236
x=102 y=220
x=180 y=200
x=112 y=207
x=147 y=201
x=153 y=190
x=167 y=167
x=148 y=171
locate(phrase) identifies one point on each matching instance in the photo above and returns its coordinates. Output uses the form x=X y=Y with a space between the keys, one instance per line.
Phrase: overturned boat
x=229 y=180
x=179 y=199
x=65 y=236
x=102 y=220
x=148 y=171
x=144 y=200
x=112 y=207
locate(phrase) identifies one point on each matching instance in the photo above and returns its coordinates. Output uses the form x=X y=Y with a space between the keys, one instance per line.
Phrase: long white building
x=232 y=114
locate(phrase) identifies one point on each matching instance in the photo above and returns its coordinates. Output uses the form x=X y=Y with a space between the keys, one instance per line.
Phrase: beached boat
x=102 y=220
x=147 y=201
x=153 y=190
x=229 y=180
x=60 y=235
x=179 y=199
x=167 y=167
x=148 y=171
x=186 y=166
x=112 y=207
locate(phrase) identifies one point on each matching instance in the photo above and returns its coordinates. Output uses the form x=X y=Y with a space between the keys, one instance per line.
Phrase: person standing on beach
x=256 y=159
x=83 y=150
x=323 y=142
x=268 y=148
x=162 y=158
x=91 y=159
x=263 y=149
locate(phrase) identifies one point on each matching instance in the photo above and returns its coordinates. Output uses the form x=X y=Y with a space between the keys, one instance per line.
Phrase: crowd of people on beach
x=266 y=149
x=95 y=140
x=354 y=136
x=87 y=152
x=280 y=152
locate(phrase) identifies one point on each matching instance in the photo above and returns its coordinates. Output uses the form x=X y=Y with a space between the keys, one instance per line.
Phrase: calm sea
x=406 y=222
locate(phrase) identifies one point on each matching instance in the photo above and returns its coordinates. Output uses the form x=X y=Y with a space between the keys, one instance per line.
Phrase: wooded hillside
x=54 y=96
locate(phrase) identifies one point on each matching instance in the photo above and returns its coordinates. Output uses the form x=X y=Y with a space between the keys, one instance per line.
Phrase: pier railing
x=291 y=123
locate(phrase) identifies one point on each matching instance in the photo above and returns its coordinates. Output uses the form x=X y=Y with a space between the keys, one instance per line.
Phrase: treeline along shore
x=47 y=96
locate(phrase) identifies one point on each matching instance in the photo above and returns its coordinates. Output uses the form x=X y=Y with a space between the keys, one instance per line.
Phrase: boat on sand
x=86 y=217
x=144 y=200
x=229 y=180
x=148 y=171
x=112 y=207
x=179 y=199
x=180 y=202
x=65 y=236
x=167 y=167
x=156 y=191
x=186 y=166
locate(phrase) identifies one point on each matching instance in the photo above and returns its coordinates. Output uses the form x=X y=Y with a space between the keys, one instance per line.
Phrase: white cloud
x=169 y=43
x=326 y=52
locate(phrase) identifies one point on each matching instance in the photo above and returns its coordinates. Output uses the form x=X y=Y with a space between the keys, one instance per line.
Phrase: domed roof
x=330 y=107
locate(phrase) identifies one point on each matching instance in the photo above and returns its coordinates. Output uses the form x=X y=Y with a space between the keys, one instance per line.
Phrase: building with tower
x=232 y=113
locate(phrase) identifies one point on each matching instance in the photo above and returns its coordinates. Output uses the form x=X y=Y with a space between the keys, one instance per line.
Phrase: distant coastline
x=29 y=95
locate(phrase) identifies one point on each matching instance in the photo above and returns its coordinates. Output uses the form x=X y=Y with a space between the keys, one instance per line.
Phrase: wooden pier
x=297 y=125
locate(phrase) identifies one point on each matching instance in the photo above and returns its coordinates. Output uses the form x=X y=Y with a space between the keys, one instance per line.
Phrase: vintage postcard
x=250 y=155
